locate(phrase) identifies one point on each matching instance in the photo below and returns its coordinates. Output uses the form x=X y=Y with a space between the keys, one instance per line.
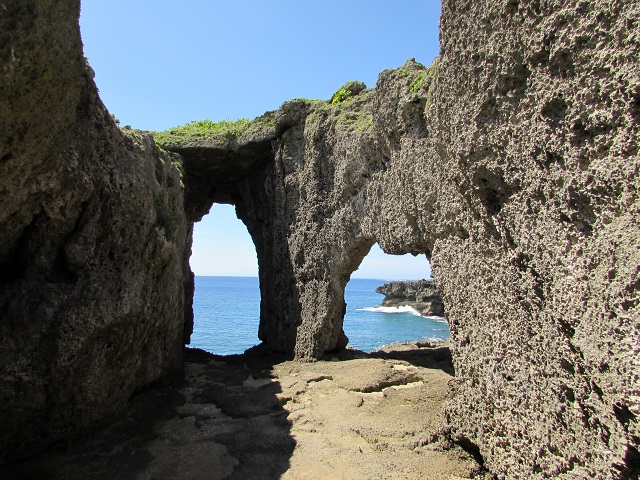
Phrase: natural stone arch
x=431 y=163
x=316 y=184
x=353 y=258
x=233 y=169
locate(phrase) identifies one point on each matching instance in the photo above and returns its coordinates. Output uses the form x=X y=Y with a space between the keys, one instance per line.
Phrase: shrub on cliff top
x=196 y=131
x=209 y=127
x=348 y=90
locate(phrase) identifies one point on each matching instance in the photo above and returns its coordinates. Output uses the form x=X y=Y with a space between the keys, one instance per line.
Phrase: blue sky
x=164 y=63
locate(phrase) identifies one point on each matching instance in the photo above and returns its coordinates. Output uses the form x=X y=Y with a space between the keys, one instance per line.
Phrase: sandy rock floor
x=353 y=416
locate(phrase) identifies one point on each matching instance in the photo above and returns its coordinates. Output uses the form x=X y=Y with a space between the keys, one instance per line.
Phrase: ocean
x=227 y=313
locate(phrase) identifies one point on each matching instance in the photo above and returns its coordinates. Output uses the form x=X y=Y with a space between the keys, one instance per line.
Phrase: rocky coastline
x=421 y=295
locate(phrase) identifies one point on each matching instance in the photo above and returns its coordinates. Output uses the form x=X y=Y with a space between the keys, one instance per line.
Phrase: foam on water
x=227 y=314
x=400 y=309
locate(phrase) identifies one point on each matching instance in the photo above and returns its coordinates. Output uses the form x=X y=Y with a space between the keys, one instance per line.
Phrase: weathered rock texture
x=244 y=417
x=512 y=163
x=422 y=295
x=537 y=111
x=93 y=240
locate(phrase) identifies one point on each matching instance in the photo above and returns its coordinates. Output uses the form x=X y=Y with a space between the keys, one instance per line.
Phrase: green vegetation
x=199 y=130
x=417 y=79
x=349 y=116
x=133 y=136
x=340 y=95
x=347 y=104
x=258 y=125
x=204 y=128
x=347 y=91
x=417 y=82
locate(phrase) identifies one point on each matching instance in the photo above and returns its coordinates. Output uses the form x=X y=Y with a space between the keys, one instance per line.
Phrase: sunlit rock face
x=317 y=184
x=93 y=241
x=512 y=163
x=421 y=295
x=536 y=117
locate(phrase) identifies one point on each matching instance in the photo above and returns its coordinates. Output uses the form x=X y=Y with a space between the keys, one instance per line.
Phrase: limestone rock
x=511 y=163
x=422 y=295
x=93 y=241
x=536 y=120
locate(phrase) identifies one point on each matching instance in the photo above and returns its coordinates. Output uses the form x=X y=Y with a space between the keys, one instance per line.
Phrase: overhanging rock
x=512 y=163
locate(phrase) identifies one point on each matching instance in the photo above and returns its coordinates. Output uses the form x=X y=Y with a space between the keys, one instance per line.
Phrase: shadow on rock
x=222 y=419
x=432 y=355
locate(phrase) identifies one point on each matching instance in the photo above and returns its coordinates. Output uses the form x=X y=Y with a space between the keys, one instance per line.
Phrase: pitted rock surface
x=511 y=163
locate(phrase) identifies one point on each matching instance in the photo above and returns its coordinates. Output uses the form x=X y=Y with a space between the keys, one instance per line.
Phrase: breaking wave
x=402 y=309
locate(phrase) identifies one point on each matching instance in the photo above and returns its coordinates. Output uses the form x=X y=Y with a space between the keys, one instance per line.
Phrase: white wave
x=401 y=309
x=436 y=319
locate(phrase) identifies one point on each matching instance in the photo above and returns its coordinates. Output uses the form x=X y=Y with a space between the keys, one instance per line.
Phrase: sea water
x=227 y=313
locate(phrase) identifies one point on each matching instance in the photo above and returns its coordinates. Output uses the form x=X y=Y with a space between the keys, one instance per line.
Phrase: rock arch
x=317 y=184
x=428 y=163
x=512 y=163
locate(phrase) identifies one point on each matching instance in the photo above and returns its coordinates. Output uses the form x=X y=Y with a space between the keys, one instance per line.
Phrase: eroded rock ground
x=352 y=416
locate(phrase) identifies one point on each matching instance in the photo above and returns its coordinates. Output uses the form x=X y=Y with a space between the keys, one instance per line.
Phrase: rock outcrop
x=536 y=118
x=320 y=189
x=93 y=241
x=512 y=163
x=422 y=295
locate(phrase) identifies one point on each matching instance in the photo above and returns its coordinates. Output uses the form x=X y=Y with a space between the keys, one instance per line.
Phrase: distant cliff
x=423 y=295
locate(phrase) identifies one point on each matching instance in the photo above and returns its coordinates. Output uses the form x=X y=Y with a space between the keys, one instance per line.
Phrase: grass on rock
x=199 y=129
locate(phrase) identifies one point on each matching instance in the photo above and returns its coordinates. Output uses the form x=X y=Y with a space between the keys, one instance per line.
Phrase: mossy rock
x=348 y=90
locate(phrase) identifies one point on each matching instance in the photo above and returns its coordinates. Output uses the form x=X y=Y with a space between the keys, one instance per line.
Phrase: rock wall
x=422 y=295
x=512 y=163
x=537 y=110
x=93 y=241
